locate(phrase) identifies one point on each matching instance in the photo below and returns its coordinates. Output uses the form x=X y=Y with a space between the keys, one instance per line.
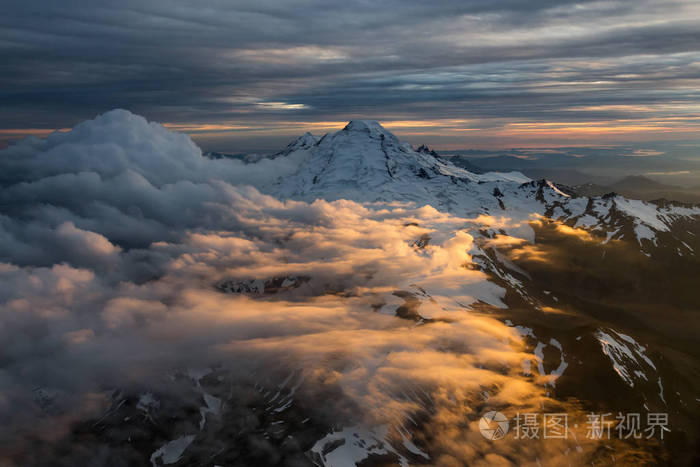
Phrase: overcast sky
x=247 y=75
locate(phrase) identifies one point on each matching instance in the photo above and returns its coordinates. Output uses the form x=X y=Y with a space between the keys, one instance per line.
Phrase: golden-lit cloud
x=500 y=241
x=341 y=328
x=578 y=233
x=529 y=253
x=384 y=306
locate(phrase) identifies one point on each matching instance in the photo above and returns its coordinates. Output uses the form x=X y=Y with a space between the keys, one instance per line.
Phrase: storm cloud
x=245 y=75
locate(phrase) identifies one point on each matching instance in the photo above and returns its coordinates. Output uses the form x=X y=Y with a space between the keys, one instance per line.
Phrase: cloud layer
x=241 y=75
x=117 y=236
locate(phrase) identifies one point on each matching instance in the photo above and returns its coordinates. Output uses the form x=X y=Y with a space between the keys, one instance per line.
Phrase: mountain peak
x=365 y=161
x=368 y=127
x=364 y=125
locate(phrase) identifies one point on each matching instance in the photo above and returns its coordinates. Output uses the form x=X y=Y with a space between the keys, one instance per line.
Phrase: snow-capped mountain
x=365 y=162
x=366 y=309
x=525 y=229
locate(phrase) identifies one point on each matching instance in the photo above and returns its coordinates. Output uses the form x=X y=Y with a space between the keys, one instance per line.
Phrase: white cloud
x=119 y=231
x=281 y=106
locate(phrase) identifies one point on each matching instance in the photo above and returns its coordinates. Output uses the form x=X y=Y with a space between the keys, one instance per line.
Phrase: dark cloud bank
x=264 y=65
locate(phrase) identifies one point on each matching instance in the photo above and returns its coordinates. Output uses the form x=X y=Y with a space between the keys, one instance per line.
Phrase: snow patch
x=627 y=356
x=171 y=452
x=351 y=445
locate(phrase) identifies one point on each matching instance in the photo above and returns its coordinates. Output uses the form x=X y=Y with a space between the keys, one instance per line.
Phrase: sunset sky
x=249 y=75
x=188 y=278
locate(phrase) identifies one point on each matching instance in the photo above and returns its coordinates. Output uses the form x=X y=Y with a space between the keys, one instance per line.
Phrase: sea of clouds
x=114 y=236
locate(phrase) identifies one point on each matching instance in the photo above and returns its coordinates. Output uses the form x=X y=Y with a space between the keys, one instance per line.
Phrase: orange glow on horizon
x=23 y=132
x=491 y=134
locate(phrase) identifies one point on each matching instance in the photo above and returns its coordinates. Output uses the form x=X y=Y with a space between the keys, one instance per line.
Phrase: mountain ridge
x=367 y=163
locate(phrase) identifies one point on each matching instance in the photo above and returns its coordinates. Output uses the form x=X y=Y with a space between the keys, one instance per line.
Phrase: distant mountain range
x=641 y=187
x=595 y=173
